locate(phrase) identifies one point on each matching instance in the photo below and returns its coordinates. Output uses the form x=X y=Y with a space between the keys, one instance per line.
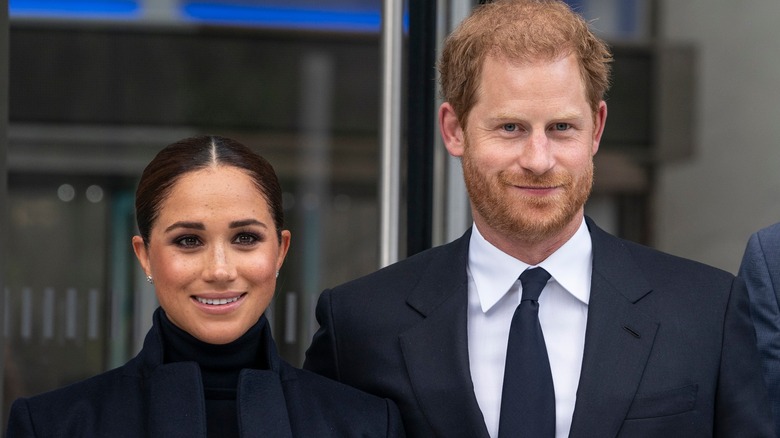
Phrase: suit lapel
x=436 y=349
x=771 y=253
x=618 y=339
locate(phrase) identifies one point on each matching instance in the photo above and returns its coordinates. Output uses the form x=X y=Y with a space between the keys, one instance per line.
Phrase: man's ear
x=600 y=120
x=451 y=130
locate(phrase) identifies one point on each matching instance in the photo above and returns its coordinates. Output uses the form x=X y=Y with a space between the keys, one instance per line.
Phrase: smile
x=217 y=302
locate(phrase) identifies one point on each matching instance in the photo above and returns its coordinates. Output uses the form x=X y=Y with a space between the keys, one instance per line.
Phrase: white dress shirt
x=494 y=293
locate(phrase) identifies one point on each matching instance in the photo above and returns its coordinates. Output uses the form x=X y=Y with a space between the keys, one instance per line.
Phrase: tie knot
x=533 y=281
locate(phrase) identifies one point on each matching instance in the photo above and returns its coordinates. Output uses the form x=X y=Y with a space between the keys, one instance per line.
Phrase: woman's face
x=214 y=254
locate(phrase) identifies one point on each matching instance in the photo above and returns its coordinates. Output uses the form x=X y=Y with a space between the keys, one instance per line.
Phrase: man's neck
x=531 y=250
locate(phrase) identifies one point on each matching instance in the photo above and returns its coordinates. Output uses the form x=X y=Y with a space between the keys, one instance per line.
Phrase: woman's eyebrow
x=185 y=224
x=245 y=222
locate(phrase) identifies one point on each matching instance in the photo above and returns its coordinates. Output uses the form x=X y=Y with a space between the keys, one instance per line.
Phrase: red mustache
x=548 y=180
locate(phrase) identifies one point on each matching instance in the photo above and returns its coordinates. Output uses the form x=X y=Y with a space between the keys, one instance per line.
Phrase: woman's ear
x=284 y=246
x=141 y=253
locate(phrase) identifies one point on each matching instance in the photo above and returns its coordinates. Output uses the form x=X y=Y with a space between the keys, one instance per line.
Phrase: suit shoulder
x=667 y=264
x=404 y=274
x=770 y=233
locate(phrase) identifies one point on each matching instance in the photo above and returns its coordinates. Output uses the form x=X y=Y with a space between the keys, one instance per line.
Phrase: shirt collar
x=494 y=272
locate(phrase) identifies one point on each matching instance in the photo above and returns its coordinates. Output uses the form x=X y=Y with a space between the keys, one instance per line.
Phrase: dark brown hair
x=519 y=31
x=196 y=153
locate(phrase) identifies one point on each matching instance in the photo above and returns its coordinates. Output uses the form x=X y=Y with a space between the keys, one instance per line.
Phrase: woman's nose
x=219 y=266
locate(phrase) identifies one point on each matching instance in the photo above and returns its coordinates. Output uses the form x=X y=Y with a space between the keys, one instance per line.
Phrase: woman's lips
x=216 y=300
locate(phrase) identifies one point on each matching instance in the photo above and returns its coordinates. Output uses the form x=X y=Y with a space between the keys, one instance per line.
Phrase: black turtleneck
x=220 y=366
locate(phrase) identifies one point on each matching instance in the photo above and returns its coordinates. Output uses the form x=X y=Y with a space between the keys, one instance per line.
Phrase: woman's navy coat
x=148 y=398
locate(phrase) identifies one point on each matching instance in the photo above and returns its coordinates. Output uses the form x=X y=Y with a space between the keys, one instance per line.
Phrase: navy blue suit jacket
x=669 y=347
x=761 y=271
x=147 y=398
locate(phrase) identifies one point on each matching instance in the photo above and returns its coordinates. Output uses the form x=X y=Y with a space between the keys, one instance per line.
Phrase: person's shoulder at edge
x=770 y=231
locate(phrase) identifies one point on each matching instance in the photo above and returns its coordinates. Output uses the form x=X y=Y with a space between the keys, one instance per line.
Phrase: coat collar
x=152 y=354
x=173 y=393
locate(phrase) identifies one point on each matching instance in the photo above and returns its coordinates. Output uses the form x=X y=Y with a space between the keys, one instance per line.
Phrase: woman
x=209 y=213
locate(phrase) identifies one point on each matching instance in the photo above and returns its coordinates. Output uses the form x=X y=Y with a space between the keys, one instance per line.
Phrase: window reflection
x=95 y=95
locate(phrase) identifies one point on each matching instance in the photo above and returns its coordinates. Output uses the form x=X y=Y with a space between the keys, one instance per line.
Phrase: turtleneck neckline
x=219 y=364
x=220 y=367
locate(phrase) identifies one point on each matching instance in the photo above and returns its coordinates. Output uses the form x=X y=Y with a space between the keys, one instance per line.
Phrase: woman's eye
x=188 y=241
x=245 y=239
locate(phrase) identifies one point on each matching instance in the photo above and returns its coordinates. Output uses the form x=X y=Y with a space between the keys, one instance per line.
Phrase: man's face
x=528 y=150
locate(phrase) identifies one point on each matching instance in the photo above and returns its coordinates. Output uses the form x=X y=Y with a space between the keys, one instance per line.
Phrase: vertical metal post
x=4 y=59
x=421 y=125
x=390 y=130
x=318 y=76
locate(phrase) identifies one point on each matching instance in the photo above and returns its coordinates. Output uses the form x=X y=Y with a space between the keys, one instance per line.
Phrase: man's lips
x=537 y=189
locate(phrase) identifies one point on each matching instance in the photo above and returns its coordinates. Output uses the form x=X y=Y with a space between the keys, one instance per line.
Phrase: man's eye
x=510 y=127
x=561 y=126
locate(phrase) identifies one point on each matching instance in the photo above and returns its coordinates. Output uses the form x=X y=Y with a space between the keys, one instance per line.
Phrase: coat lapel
x=618 y=339
x=436 y=349
x=176 y=404
x=262 y=405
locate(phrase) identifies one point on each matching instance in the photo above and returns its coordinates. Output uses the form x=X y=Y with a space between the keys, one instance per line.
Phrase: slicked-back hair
x=196 y=153
x=519 y=31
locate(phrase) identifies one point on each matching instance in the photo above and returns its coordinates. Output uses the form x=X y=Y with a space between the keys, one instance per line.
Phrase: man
x=638 y=343
x=760 y=269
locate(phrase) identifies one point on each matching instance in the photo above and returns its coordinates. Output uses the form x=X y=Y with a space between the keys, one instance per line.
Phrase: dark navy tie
x=528 y=398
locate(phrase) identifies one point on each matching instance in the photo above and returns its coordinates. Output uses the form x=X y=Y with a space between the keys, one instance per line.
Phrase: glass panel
x=56 y=285
x=90 y=104
x=619 y=20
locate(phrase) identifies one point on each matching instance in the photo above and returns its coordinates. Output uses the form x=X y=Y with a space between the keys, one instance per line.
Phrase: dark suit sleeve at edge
x=765 y=314
x=741 y=405
x=20 y=420
x=322 y=355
